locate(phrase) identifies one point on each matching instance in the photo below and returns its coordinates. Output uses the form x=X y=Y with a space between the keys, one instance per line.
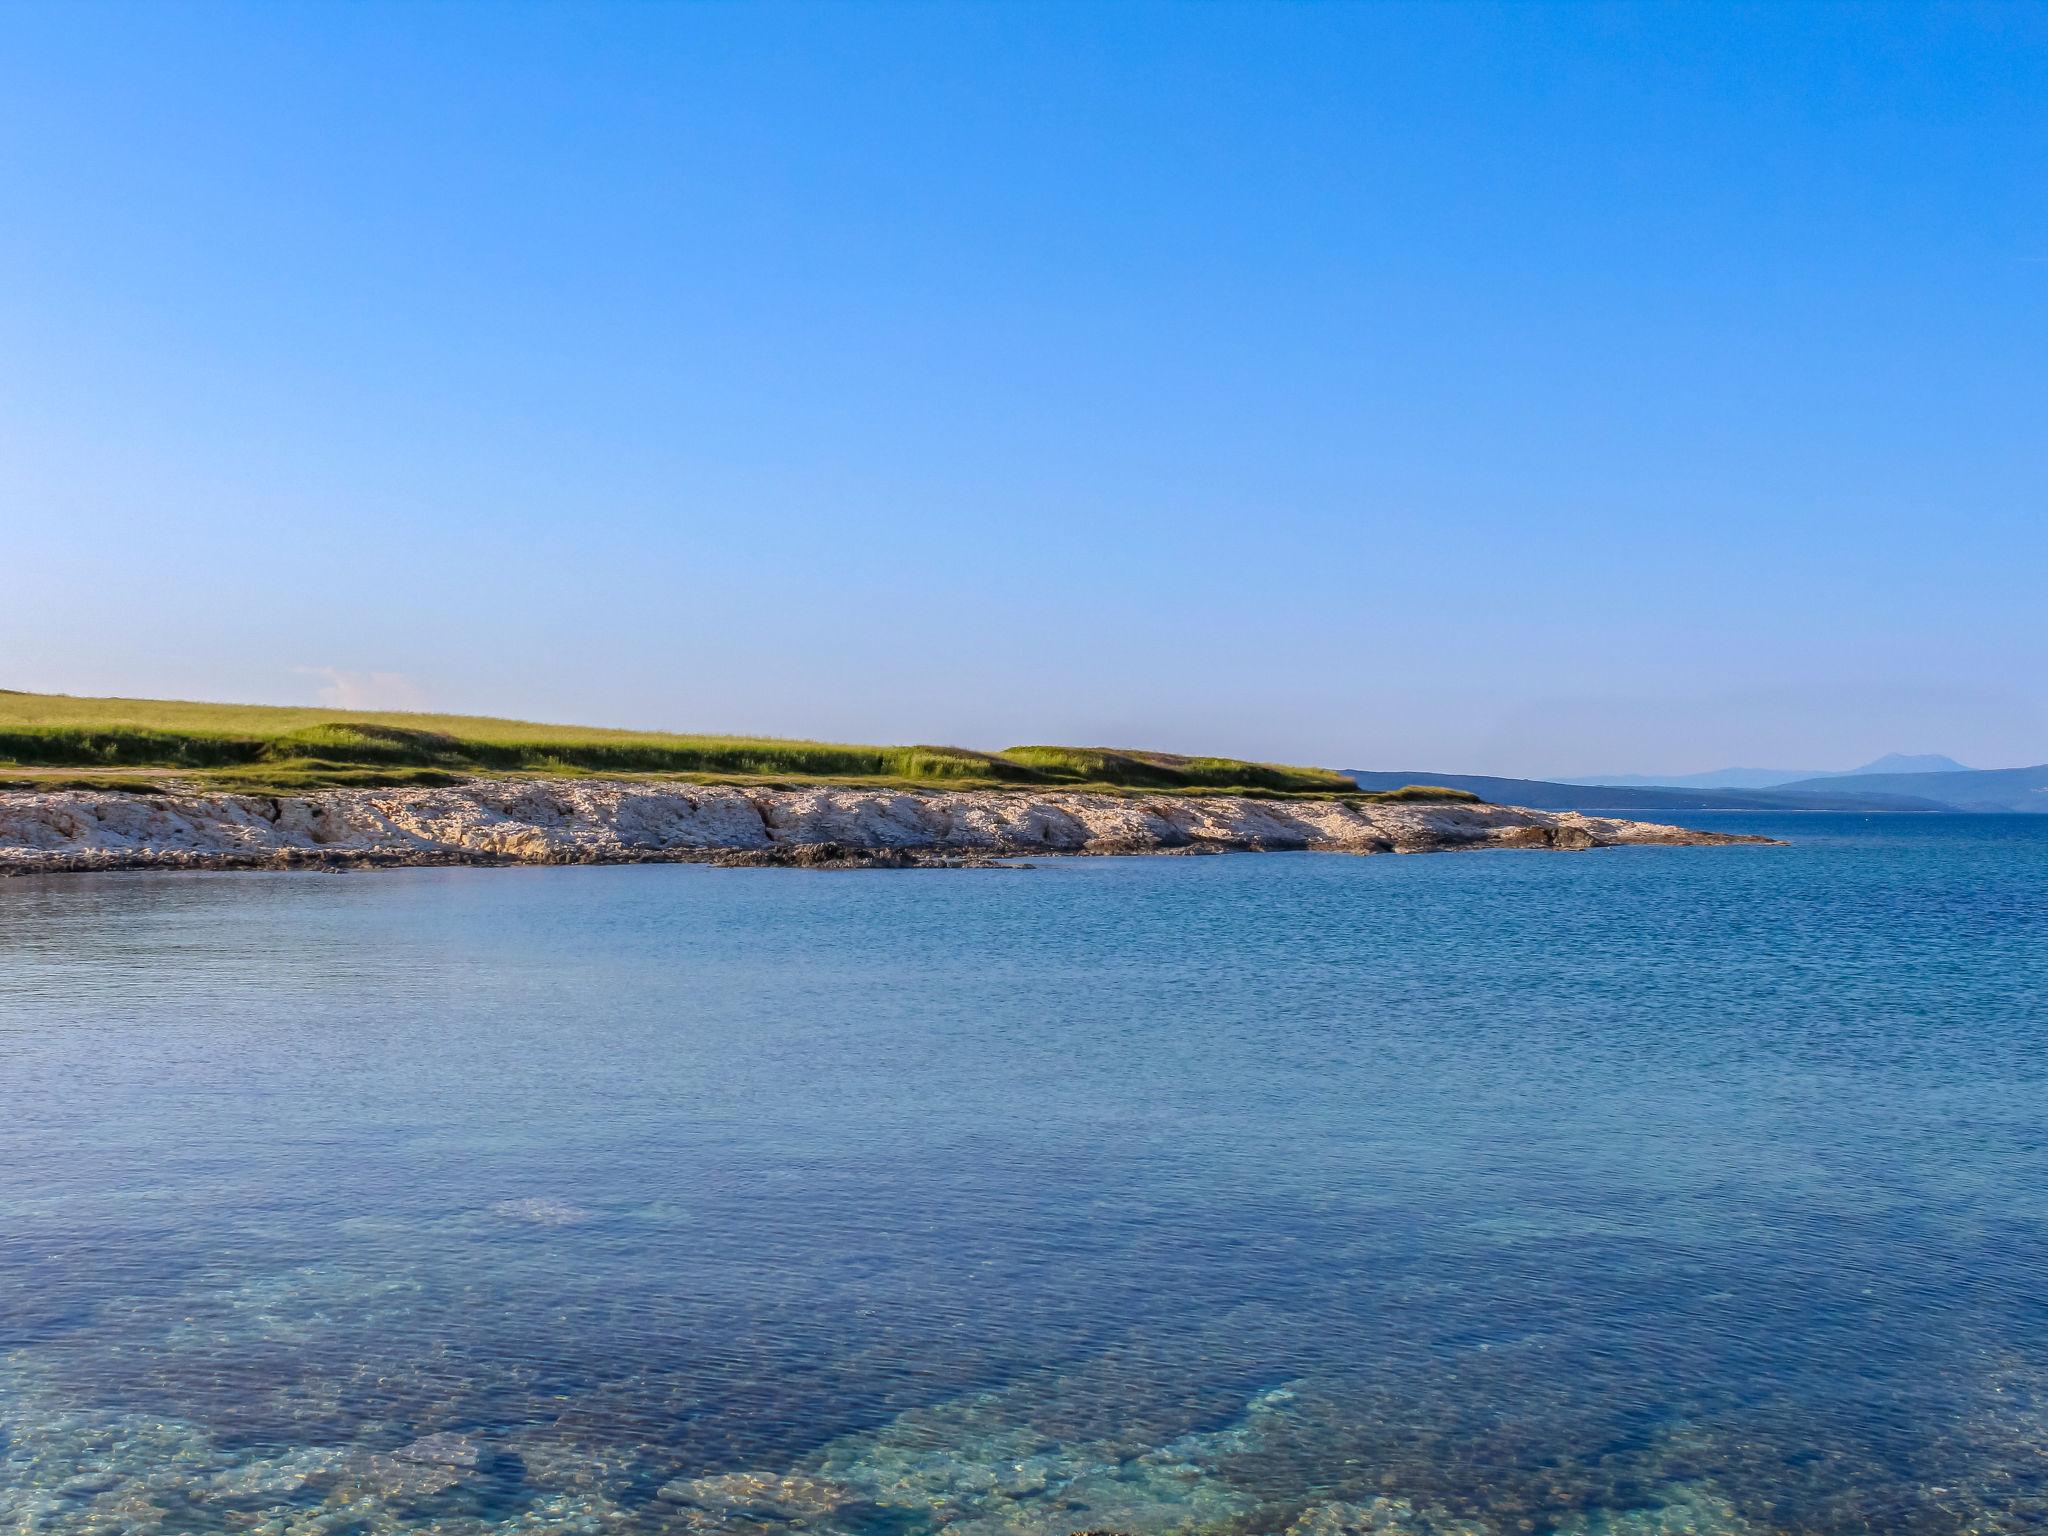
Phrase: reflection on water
x=1661 y=1190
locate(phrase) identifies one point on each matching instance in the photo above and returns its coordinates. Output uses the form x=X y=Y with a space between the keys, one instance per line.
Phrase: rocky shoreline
x=554 y=821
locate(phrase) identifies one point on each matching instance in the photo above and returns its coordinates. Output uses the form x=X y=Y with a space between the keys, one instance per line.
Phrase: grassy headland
x=52 y=740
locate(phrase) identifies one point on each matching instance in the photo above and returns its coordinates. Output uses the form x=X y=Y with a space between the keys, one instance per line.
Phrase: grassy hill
x=52 y=739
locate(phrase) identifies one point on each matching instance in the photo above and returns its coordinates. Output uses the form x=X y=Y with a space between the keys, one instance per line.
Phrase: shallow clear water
x=1645 y=1190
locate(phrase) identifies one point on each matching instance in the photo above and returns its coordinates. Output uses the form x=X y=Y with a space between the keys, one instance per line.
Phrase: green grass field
x=54 y=739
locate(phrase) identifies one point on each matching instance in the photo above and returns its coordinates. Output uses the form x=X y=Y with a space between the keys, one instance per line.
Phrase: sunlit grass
x=56 y=738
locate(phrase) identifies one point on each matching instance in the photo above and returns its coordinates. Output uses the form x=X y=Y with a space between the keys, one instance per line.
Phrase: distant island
x=1772 y=778
x=90 y=784
x=1980 y=790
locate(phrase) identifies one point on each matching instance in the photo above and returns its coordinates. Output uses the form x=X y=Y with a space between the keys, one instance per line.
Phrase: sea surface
x=1645 y=1190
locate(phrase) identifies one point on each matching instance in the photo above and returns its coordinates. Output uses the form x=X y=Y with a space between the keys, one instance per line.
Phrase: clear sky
x=1527 y=389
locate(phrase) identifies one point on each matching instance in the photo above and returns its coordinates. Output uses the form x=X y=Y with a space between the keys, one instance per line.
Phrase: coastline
x=552 y=821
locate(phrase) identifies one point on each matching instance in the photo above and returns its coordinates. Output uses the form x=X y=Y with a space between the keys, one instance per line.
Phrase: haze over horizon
x=1534 y=391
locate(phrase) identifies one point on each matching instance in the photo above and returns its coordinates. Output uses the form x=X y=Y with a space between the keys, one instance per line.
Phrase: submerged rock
x=396 y=1478
x=444 y=1449
x=553 y=1457
x=542 y=1211
x=1380 y=1517
x=752 y=1498
x=1680 y=1510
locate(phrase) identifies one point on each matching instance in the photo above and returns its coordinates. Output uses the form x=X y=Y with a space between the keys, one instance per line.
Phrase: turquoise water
x=1648 y=1190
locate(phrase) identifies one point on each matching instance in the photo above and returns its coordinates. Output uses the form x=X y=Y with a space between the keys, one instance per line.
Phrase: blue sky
x=1536 y=389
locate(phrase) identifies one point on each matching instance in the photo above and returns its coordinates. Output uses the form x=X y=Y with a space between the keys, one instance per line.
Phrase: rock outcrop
x=553 y=821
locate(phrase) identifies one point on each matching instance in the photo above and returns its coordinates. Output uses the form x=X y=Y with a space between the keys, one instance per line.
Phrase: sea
x=1641 y=1190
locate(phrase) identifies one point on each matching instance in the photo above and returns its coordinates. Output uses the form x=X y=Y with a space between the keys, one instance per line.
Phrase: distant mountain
x=1773 y=778
x=1900 y=762
x=1978 y=789
x=1720 y=778
x=1542 y=795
